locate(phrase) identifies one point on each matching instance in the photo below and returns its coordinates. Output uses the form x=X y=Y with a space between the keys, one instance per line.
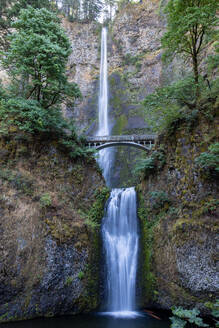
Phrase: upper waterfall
x=106 y=155
x=103 y=129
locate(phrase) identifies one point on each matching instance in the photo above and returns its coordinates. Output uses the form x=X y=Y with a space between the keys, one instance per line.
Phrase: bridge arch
x=143 y=142
x=123 y=143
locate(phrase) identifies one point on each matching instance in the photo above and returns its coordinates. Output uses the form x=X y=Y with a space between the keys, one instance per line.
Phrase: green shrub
x=30 y=117
x=215 y=312
x=158 y=199
x=45 y=200
x=69 y=281
x=209 y=161
x=171 y=106
x=81 y=275
x=183 y=317
x=165 y=105
x=95 y=214
x=151 y=164
x=17 y=181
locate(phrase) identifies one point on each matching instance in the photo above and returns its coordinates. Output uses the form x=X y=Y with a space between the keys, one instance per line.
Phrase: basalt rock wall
x=178 y=211
x=50 y=207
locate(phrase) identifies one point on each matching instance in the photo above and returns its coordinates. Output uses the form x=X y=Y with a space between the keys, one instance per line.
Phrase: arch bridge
x=143 y=142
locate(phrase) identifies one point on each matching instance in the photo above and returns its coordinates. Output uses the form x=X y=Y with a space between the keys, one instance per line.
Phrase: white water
x=119 y=228
x=106 y=155
x=103 y=93
x=120 y=239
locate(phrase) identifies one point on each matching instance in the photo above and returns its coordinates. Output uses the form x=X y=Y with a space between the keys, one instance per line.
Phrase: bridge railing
x=130 y=138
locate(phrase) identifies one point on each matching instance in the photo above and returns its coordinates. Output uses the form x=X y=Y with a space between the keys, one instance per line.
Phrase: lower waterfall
x=120 y=240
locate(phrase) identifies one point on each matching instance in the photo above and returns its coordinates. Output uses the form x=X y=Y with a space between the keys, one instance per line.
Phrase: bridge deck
x=144 y=142
x=129 y=138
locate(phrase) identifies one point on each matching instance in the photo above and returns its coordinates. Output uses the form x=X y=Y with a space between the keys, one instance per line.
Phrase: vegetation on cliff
x=50 y=213
x=36 y=63
x=191 y=29
x=178 y=205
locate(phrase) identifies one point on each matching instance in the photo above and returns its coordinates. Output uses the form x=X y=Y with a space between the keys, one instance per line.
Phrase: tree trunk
x=196 y=75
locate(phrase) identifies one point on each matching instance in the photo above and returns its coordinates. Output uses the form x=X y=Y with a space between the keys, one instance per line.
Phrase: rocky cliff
x=178 y=211
x=135 y=70
x=50 y=209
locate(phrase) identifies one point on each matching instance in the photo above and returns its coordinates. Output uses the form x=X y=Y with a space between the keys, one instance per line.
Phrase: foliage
x=45 y=200
x=213 y=60
x=37 y=57
x=191 y=25
x=214 y=307
x=30 y=117
x=151 y=164
x=17 y=181
x=215 y=310
x=170 y=104
x=69 y=280
x=27 y=116
x=10 y=10
x=182 y=317
x=36 y=61
x=76 y=10
x=91 y=9
x=158 y=199
x=81 y=275
x=96 y=212
x=177 y=322
x=209 y=161
x=211 y=206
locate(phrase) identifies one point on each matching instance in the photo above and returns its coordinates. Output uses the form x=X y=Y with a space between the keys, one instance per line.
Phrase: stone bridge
x=144 y=142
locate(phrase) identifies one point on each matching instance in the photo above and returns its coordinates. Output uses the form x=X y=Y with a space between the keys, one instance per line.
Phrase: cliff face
x=178 y=210
x=134 y=64
x=134 y=70
x=83 y=69
x=50 y=207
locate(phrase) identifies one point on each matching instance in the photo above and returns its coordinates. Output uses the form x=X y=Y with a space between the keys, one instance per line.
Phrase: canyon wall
x=178 y=211
x=50 y=210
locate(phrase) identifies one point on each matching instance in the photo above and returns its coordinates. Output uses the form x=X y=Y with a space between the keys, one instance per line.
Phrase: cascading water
x=105 y=155
x=120 y=239
x=119 y=228
x=103 y=93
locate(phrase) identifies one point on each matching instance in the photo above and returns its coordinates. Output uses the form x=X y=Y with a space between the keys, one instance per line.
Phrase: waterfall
x=105 y=155
x=120 y=240
x=103 y=92
x=119 y=228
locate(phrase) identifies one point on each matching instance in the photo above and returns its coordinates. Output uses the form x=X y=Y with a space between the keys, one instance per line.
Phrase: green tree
x=71 y=9
x=190 y=26
x=37 y=57
x=91 y=9
x=4 y=23
x=10 y=10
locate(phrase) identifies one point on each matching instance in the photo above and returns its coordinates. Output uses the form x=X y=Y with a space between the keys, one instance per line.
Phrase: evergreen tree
x=71 y=9
x=10 y=9
x=4 y=23
x=38 y=52
x=91 y=9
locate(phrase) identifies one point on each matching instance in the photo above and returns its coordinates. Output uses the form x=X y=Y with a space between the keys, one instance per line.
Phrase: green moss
x=91 y=274
x=148 y=282
x=69 y=280
x=95 y=213
x=120 y=124
x=45 y=200
x=4 y=317
x=18 y=181
x=81 y=275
